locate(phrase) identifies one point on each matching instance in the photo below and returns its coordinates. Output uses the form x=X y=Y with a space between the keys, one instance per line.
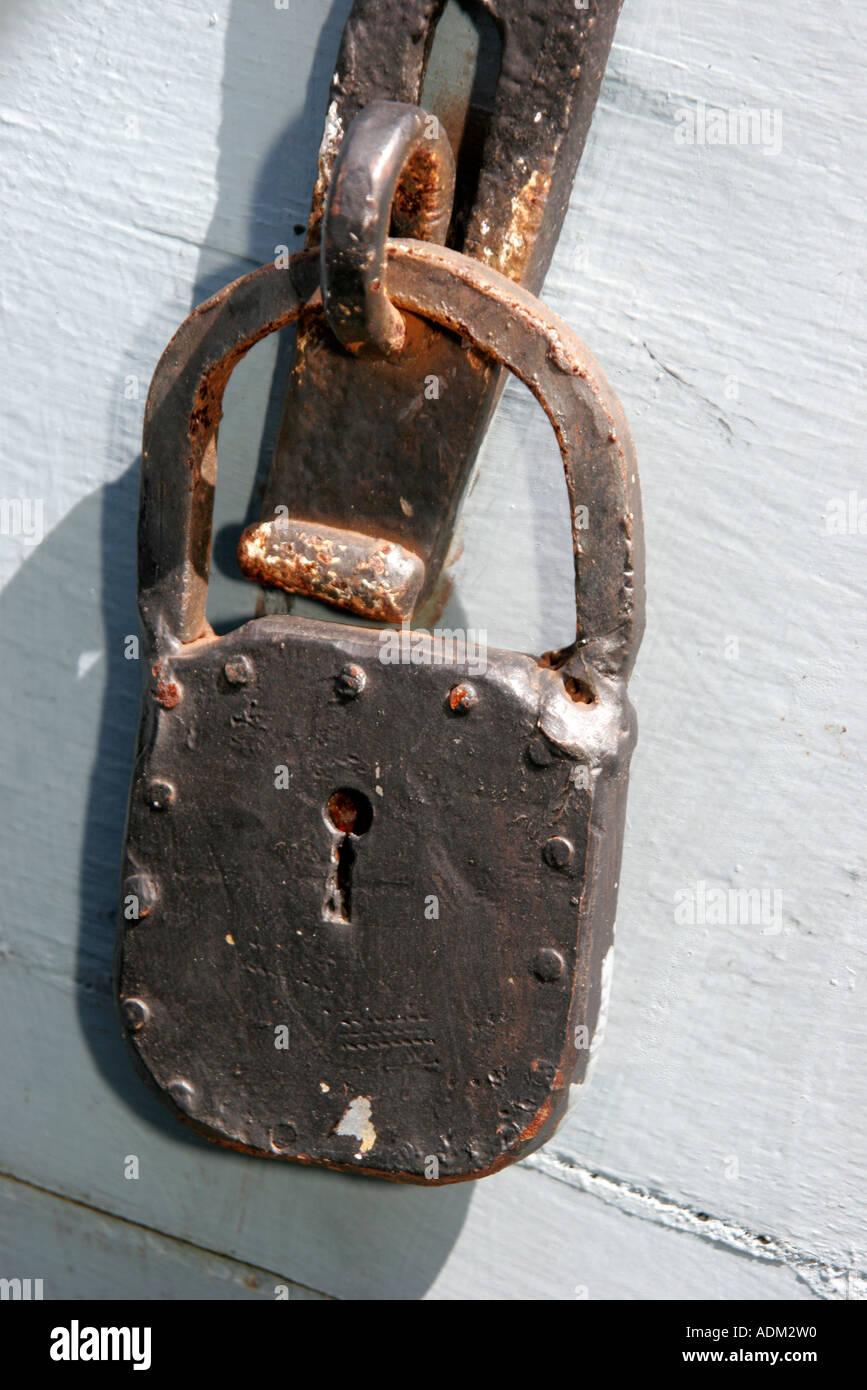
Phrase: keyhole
x=351 y=814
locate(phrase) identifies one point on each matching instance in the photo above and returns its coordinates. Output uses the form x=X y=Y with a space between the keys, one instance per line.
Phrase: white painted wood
x=149 y=154
x=77 y=1253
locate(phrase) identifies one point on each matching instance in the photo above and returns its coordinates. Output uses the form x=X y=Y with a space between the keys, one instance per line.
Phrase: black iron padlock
x=367 y=906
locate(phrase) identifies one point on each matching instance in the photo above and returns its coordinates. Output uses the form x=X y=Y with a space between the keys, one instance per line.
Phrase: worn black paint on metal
x=428 y=1002
x=390 y=148
x=420 y=1045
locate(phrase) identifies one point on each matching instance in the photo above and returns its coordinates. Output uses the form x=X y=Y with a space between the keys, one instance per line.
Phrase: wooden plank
x=519 y=1234
x=78 y=1253
x=726 y=309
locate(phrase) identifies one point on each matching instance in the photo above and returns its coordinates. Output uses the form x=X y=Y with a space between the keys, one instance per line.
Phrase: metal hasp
x=400 y=473
x=394 y=156
x=368 y=905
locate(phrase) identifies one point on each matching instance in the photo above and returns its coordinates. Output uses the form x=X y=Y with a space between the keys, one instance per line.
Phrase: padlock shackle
x=179 y=441
x=504 y=323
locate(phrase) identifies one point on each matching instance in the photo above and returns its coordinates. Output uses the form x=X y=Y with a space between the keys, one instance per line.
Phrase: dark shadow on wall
x=395 y=1218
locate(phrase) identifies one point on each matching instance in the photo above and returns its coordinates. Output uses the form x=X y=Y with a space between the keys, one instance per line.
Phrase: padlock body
x=425 y=989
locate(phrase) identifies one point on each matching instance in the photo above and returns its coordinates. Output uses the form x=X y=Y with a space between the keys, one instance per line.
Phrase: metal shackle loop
x=394 y=167
x=503 y=322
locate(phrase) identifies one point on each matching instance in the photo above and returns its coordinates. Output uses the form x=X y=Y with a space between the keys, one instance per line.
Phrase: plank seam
x=824 y=1279
x=164 y=1235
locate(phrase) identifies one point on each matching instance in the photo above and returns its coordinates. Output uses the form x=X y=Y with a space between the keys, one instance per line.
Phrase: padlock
x=368 y=904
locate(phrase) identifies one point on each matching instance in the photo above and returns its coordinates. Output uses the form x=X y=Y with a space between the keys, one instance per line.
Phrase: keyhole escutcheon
x=349 y=815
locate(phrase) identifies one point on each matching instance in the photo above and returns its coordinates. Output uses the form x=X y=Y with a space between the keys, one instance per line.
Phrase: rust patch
x=420 y=203
x=343 y=811
x=367 y=575
x=167 y=692
x=579 y=691
x=462 y=697
x=552 y=661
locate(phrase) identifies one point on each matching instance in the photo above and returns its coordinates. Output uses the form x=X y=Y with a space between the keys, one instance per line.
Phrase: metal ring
x=395 y=165
x=503 y=322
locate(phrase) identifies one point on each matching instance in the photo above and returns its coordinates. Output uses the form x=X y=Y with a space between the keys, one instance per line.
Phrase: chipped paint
x=332 y=136
x=355 y=1122
x=525 y=219
x=368 y=575
x=604 y=1004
